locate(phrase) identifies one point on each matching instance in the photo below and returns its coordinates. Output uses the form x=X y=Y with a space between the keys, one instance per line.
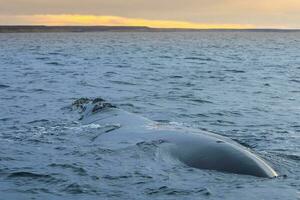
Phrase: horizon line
x=140 y=27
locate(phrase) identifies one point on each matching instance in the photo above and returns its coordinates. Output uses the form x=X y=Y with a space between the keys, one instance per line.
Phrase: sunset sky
x=154 y=13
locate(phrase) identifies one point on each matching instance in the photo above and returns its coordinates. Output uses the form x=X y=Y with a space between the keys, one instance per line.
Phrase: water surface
x=243 y=85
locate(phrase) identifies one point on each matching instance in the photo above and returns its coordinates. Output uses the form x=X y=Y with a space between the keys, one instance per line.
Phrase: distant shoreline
x=63 y=29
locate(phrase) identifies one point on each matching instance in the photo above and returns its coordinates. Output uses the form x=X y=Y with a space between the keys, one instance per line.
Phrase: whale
x=195 y=148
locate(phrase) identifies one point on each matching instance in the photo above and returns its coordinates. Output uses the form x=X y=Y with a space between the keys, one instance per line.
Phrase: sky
x=154 y=13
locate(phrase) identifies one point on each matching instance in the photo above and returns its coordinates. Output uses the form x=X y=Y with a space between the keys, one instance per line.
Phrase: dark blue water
x=242 y=85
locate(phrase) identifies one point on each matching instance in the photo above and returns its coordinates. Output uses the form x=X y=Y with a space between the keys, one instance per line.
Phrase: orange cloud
x=91 y=20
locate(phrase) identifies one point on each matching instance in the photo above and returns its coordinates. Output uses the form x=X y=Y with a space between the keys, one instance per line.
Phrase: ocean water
x=243 y=85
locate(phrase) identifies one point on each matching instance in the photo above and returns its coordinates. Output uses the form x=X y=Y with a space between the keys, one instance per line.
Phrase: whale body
x=195 y=148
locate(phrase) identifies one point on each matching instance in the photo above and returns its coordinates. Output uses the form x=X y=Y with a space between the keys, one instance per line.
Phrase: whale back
x=195 y=148
x=214 y=153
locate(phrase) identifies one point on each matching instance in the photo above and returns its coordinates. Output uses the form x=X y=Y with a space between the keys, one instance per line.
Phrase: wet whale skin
x=195 y=148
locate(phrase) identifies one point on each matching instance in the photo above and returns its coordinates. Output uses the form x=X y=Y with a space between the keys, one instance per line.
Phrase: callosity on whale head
x=198 y=149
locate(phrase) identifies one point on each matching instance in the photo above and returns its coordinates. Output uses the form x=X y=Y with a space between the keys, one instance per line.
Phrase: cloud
x=89 y=20
x=261 y=13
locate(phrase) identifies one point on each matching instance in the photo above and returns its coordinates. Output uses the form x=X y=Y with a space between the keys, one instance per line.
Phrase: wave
x=4 y=86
